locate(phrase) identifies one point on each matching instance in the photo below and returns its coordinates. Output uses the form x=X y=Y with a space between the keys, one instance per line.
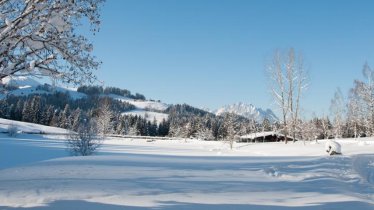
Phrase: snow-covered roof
x=260 y=134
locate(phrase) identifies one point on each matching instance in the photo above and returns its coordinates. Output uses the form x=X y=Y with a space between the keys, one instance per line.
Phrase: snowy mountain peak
x=247 y=110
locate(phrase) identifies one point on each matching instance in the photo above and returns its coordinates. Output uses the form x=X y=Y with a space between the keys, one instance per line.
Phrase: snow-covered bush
x=85 y=141
x=333 y=147
x=12 y=130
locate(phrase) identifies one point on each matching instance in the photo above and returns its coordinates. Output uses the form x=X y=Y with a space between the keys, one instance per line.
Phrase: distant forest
x=59 y=109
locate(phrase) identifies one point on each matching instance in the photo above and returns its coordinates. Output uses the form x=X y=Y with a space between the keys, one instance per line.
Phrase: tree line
x=97 y=90
x=60 y=110
x=353 y=114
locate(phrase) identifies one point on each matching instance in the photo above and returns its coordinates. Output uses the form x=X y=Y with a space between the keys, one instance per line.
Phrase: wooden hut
x=269 y=136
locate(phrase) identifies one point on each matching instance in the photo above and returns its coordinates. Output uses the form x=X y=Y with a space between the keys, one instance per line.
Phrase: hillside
x=149 y=110
x=25 y=86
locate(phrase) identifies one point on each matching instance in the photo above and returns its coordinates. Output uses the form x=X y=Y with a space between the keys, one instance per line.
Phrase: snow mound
x=333 y=147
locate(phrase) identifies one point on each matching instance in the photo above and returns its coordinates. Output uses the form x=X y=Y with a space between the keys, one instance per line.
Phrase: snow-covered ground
x=36 y=172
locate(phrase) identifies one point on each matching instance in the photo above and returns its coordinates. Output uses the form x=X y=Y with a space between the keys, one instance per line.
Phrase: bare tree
x=288 y=83
x=39 y=38
x=133 y=131
x=204 y=134
x=104 y=118
x=254 y=125
x=310 y=130
x=354 y=114
x=337 y=109
x=85 y=141
x=364 y=96
x=325 y=127
x=229 y=124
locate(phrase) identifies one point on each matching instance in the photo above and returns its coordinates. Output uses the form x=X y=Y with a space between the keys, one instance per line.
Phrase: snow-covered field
x=36 y=172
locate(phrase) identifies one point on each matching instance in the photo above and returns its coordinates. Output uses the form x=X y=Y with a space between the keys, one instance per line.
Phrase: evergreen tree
x=76 y=119
x=47 y=115
x=18 y=110
x=65 y=117
x=55 y=118
x=163 y=128
x=27 y=112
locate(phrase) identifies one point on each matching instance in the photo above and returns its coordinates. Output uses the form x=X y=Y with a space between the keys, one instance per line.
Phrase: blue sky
x=209 y=53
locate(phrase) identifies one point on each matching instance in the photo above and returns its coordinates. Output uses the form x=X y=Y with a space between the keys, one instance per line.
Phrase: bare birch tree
x=354 y=114
x=325 y=127
x=104 y=118
x=229 y=124
x=364 y=96
x=288 y=83
x=337 y=109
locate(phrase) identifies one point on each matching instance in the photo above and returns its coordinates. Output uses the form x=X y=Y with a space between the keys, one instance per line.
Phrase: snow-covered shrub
x=333 y=147
x=12 y=130
x=85 y=141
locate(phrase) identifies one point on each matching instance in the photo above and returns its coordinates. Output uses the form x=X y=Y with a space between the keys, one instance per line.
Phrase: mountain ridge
x=248 y=111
